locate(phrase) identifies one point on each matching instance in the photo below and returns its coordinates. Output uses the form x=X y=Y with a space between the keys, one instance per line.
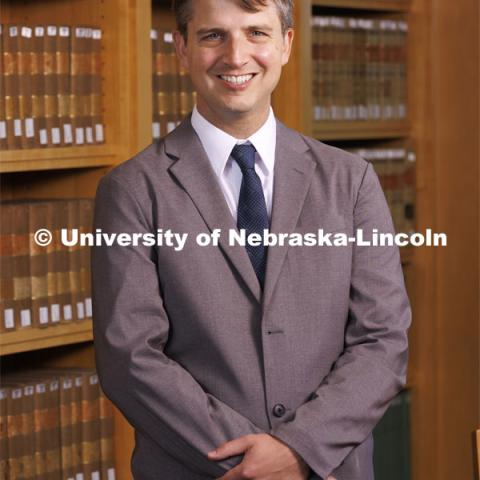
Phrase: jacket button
x=279 y=410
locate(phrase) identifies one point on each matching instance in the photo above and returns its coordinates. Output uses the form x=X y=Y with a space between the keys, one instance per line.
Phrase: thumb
x=233 y=447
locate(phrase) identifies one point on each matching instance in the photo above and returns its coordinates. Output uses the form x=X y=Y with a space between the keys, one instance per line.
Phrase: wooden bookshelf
x=37 y=338
x=440 y=334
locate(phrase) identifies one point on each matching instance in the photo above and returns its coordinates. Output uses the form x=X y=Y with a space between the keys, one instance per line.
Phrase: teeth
x=237 y=80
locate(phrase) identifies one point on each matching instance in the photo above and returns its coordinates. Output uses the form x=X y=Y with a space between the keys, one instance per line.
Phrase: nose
x=236 y=52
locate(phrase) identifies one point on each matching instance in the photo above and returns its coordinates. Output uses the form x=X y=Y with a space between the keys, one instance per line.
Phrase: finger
x=233 y=447
x=233 y=474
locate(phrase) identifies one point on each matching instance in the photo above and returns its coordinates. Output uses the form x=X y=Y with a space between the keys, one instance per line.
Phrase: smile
x=237 y=79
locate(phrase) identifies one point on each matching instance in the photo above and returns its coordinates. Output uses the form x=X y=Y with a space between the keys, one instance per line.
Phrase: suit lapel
x=194 y=172
x=292 y=178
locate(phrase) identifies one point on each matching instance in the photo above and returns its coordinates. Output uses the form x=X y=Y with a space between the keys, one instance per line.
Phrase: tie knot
x=244 y=154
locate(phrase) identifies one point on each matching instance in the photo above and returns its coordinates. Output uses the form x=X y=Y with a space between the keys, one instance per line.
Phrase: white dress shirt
x=219 y=145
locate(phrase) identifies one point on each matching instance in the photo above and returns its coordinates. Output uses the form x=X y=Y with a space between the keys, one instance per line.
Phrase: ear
x=287 y=45
x=181 y=48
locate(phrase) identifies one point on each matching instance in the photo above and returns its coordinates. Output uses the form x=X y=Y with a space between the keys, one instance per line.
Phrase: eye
x=213 y=36
x=258 y=33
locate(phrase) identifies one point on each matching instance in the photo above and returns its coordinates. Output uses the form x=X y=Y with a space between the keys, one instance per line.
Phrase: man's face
x=234 y=57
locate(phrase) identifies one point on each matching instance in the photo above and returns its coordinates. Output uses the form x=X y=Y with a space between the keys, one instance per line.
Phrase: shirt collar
x=218 y=144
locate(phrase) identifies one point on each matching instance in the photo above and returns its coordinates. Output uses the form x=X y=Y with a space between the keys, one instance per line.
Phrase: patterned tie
x=252 y=210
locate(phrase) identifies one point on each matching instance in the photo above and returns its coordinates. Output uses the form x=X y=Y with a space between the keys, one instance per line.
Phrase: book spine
x=77 y=300
x=25 y=54
x=77 y=84
x=77 y=427
x=15 y=429
x=106 y=438
x=87 y=97
x=3 y=115
x=172 y=77
x=96 y=77
x=155 y=67
x=38 y=214
x=63 y=85
x=4 y=453
x=12 y=108
x=52 y=429
x=86 y=225
x=28 y=429
x=62 y=260
x=66 y=432
x=38 y=87
x=51 y=265
x=7 y=303
x=21 y=267
x=50 y=100
x=91 y=426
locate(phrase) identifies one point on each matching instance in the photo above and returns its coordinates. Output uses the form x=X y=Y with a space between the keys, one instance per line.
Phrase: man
x=245 y=361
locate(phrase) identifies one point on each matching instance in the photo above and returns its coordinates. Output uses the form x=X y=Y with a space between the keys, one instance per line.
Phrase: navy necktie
x=252 y=210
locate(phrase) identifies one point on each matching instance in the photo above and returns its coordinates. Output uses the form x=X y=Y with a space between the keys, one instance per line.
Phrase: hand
x=265 y=458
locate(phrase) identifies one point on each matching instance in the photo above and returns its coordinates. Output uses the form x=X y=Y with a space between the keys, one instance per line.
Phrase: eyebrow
x=203 y=31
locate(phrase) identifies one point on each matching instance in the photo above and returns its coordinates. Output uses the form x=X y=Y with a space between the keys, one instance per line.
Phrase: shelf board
x=360 y=130
x=57 y=158
x=36 y=338
x=382 y=5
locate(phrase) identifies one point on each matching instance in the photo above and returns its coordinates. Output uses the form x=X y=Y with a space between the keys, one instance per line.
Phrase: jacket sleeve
x=131 y=327
x=372 y=367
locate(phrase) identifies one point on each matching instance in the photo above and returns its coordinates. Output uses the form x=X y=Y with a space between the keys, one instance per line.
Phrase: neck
x=240 y=126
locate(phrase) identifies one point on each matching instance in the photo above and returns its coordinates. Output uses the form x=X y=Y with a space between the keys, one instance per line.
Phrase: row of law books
x=395 y=168
x=55 y=424
x=50 y=86
x=359 y=69
x=44 y=283
x=173 y=93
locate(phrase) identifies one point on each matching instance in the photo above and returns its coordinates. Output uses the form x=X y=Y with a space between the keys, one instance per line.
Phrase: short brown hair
x=183 y=12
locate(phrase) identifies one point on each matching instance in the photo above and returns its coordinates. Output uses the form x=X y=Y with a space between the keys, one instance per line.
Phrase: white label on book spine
x=168 y=37
x=170 y=126
x=80 y=32
x=3 y=129
x=96 y=475
x=55 y=312
x=64 y=31
x=55 y=135
x=99 y=133
x=53 y=385
x=88 y=32
x=17 y=393
x=25 y=318
x=26 y=32
x=153 y=34
x=93 y=379
x=80 y=310
x=89 y=132
x=111 y=474
x=43 y=136
x=29 y=390
x=78 y=381
x=43 y=314
x=17 y=127
x=39 y=31
x=3 y=393
x=67 y=312
x=156 y=130
x=8 y=318
x=40 y=388
x=97 y=34
x=13 y=31
x=79 y=476
x=51 y=30
x=29 y=128
x=79 y=136
x=67 y=133
x=67 y=383
x=88 y=307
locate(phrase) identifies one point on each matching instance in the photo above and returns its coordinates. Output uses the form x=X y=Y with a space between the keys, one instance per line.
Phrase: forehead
x=230 y=13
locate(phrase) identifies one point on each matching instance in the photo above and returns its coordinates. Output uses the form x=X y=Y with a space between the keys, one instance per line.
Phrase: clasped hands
x=264 y=458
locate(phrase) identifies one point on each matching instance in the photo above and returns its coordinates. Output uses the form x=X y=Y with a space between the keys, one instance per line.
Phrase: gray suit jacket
x=194 y=353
